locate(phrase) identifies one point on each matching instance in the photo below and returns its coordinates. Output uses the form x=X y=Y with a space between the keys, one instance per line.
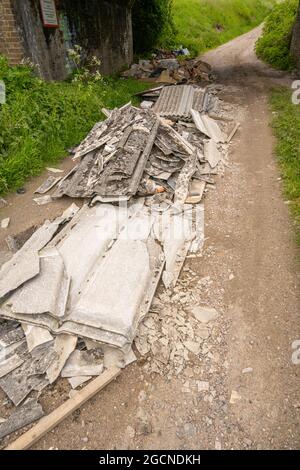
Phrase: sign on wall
x=49 y=13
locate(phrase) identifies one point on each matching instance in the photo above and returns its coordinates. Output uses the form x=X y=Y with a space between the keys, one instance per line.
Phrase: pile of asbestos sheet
x=74 y=294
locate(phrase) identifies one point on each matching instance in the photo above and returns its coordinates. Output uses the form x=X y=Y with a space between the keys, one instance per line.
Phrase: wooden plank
x=49 y=422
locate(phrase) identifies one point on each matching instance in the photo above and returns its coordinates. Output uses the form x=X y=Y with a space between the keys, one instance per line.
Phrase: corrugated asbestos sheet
x=176 y=102
x=98 y=275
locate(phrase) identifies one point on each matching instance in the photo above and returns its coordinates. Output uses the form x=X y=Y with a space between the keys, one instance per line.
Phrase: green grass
x=286 y=125
x=274 y=45
x=205 y=24
x=40 y=120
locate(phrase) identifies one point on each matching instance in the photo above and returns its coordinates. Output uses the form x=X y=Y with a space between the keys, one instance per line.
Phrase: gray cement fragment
x=36 y=336
x=48 y=184
x=64 y=345
x=80 y=364
x=196 y=191
x=46 y=293
x=183 y=181
x=22 y=416
x=25 y=264
x=54 y=170
x=18 y=384
x=213 y=129
x=212 y=153
x=43 y=200
x=10 y=364
x=5 y=223
x=116 y=358
x=75 y=382
x=204 y=314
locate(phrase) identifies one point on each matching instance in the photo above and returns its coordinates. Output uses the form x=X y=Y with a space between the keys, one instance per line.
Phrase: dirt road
x=252 y=278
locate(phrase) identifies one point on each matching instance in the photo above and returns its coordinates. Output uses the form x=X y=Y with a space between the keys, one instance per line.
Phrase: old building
x=44 y=30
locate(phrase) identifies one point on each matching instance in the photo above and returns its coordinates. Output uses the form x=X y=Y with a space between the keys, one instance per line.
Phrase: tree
x=295 y=43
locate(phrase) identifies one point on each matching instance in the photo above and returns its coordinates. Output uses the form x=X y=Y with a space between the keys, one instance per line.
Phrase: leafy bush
x=152 y=24
x=40 y=120
x=274 y=45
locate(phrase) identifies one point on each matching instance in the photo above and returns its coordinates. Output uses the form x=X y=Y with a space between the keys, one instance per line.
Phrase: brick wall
x=10 y=41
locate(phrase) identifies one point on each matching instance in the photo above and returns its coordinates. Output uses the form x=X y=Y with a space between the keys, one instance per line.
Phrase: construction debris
x=48 y=184
x=79 y=291
x=171 y=70
x=43 y=200
x=26 y=414
x=5 y=223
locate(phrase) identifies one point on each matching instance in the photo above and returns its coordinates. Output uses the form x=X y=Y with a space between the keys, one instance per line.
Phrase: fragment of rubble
x=43 y=200
x=212 y=153
x=15 y=242
x=165 y=77
x=5 y=223
x=48 y=184
x=204 y=314
x=10 y=364
x=36 y=336
x=21 y=381
x=3 y=203
x=80 y=364
x=146 y=104
x=54 y=170
x=247 y=370
x=76 y=382
x=114 y=357
x=192 y=346
x=26 y=414
x=196 y=191
x=202 y=386
x=235 y=397
x=64 y=345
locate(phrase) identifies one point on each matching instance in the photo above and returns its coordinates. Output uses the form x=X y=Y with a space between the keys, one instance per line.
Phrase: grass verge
x=40 y=120
x=205 y=24
x=286 y=125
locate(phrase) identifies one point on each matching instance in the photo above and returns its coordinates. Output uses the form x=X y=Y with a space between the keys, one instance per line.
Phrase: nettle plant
x=85 y=68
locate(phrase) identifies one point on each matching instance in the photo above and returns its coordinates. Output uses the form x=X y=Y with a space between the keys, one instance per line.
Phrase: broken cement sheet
x=48 y=184
x=208 y=127
x=10 y=364
x=80 y=364
x=64 y=345
x=113 y=156
x=43 y=200
x=195 y=193
x=75 y=382
x=46 y=293
x=175 y=232
x=36 y=336
x=5 y=223
x=212 y=153
x=19 y=383
x=26 y=414
x=25 y=264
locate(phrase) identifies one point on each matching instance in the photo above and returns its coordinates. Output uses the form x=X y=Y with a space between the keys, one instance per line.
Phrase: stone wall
x=103 y=28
